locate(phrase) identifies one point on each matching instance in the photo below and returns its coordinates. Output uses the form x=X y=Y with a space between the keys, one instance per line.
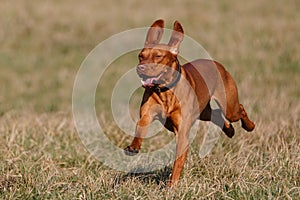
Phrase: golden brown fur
x=180 y=104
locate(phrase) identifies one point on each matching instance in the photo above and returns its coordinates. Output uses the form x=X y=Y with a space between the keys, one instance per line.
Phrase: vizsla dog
x=179 y=95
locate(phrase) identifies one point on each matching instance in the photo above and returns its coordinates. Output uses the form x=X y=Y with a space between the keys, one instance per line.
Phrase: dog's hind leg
x=215 y=116
x=237 y=112
x=229 y=102
x=247 y=124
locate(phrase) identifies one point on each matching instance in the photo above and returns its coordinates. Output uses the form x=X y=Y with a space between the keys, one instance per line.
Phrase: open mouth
x=151 y=81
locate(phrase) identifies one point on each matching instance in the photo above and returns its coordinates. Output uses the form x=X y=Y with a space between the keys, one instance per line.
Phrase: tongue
x=150 y=81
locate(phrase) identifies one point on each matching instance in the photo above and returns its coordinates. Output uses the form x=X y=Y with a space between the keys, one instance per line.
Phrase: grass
x=42 y=47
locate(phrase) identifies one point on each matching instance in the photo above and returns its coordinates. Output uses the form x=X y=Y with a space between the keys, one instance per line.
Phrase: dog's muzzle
x=147 y=81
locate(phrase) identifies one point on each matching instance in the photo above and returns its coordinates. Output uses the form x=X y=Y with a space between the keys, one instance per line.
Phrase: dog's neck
x=159 y=89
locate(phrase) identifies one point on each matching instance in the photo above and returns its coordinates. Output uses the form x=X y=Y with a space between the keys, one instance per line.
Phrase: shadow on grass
x=159 y=177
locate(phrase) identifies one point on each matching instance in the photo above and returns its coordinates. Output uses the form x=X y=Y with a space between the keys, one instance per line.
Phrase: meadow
x=43 y=44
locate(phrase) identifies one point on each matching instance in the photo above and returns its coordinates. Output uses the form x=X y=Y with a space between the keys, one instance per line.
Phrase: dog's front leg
x=182 y=145
x=140 y=133
x=148 y=114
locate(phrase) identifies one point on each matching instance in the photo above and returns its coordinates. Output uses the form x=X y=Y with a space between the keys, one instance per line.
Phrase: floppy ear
x=176 y=38
x=155 y=32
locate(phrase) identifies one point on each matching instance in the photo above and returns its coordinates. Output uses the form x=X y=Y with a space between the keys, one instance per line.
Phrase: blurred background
x=44 y=42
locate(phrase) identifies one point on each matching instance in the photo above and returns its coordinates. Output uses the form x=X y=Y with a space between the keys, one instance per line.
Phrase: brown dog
x=179 y=95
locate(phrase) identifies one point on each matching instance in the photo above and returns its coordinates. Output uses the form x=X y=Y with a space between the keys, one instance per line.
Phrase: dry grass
x=42 y=46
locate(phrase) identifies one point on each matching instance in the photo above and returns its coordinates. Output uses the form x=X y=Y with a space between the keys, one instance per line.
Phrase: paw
x=129 y=151
x=229 y=131
x=249 y=126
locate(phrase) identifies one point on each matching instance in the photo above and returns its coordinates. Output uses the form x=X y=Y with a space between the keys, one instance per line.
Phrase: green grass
x=42 y=47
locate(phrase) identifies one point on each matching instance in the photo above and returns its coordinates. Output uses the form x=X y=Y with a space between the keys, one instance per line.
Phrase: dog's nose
x=141 y=67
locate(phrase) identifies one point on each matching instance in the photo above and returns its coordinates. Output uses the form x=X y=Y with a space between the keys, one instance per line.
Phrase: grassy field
x=42 y=46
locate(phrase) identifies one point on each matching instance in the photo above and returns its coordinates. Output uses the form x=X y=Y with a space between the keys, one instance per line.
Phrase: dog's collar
x=158 y=89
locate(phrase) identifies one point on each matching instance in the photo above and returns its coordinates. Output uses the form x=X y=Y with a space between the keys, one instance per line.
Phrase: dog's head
x=158 y=62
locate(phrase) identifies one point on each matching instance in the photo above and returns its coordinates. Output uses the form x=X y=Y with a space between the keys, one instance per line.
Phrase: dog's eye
x=158 y=56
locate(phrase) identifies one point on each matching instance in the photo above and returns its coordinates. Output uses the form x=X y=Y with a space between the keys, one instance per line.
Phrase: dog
x=179 y=95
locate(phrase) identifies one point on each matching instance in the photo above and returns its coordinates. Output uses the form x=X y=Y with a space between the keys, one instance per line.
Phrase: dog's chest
x=169 y=104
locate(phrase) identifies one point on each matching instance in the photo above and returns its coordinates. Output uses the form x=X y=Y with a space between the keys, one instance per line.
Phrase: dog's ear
x=176 y=38
x=155 y=32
